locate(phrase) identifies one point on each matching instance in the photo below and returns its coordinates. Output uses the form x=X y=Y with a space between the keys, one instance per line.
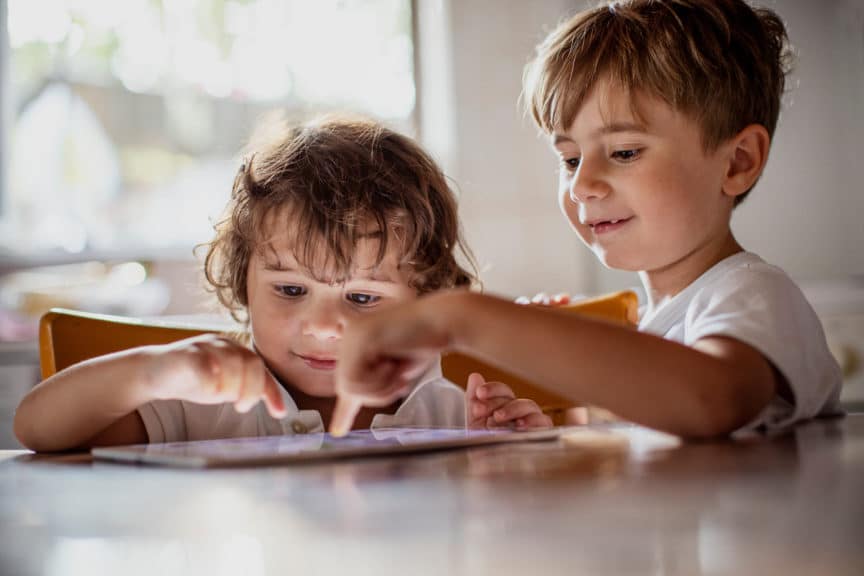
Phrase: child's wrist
x=151 y=377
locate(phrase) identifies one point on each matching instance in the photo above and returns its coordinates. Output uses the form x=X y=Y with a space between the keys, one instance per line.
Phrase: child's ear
x=747 y=157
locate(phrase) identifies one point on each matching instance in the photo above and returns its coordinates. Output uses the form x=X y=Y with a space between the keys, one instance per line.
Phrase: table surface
x=630 y=501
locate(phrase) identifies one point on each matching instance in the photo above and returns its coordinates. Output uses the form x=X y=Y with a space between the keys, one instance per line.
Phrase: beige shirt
x=434 y=402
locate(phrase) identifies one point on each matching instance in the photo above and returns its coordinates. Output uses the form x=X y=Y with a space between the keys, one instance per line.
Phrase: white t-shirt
x=744 y=298
x=434 y=402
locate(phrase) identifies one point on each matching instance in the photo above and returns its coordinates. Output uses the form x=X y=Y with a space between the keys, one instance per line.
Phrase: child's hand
x=494 y=405
x=210 y=369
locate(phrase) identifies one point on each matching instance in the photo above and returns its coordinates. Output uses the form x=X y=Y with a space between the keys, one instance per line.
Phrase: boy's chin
x=615 y=261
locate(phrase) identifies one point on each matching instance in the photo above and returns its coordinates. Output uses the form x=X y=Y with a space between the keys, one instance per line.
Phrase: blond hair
x=720 y=62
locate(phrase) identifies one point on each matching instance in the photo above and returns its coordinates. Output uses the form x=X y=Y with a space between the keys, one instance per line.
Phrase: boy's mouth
x=318 y=362
x=606 y=226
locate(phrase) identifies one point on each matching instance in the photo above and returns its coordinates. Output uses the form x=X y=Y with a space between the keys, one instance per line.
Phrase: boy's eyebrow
x=612 y=128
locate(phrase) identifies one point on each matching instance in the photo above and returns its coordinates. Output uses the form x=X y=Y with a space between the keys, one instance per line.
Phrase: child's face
x=640 y=190
x=297 y=322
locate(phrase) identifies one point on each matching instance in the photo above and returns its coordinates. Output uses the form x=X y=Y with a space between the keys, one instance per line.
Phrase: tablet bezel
x=199 y=454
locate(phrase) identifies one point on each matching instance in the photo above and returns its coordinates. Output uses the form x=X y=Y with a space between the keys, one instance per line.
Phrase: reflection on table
x=632 y=502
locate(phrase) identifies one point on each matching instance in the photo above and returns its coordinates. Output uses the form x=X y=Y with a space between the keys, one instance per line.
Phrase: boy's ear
x=748 y=155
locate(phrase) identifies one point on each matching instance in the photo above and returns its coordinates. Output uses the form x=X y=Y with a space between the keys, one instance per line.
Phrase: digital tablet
x=273 y=450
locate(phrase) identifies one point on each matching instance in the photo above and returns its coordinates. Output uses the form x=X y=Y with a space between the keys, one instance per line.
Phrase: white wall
x=472 y=55
x=807 y=214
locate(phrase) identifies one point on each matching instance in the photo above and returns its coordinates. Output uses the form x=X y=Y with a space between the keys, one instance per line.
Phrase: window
x=127 y=117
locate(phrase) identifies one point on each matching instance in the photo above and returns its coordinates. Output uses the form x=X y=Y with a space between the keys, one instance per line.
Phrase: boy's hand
x=494 y=405
x=381 y=354
x=543 y=299
x=209 y=369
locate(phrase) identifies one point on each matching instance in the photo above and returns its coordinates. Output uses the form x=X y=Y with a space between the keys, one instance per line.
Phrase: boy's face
x=297 y=322
x=640 y=189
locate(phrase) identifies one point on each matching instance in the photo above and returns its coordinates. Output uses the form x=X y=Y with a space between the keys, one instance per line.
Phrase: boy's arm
x=708 y=390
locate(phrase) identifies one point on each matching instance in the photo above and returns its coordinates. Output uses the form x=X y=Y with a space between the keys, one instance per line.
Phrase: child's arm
x=494 y=405
x=708 y=390
x=95 y=402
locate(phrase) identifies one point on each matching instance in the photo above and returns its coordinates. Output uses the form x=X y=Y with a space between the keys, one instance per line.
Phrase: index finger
x=494 y=390
x=344 y=413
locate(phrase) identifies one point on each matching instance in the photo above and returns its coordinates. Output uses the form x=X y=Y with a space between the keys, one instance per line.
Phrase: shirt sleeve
x=164 y=420
x=767 y=311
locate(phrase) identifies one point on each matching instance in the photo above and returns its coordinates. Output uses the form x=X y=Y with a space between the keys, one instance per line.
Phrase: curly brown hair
x=327 y=182
x=721 y=62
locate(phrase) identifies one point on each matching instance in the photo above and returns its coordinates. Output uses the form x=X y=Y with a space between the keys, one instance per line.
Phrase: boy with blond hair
x=662 y=114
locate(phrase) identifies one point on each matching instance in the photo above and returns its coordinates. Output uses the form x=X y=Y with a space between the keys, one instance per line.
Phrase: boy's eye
x=291 y=291
x=362 y=299
x=571 y=164
x=626 y=155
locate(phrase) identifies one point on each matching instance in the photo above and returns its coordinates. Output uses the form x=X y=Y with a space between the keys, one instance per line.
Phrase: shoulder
x=750 y=289
x=760 y=305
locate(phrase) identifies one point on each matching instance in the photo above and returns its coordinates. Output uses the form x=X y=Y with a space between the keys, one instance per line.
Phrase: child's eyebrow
x=613 y=128
x=376 y=276
x=277 y=267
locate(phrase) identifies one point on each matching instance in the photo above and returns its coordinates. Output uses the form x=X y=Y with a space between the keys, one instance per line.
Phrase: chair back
x=67 y=337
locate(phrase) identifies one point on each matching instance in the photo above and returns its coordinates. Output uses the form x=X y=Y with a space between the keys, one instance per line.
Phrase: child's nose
x=323 y=324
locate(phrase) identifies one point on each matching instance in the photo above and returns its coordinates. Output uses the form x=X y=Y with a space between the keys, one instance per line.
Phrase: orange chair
x=67 y=337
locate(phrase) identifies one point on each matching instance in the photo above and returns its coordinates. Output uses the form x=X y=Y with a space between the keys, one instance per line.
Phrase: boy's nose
x=587 y=185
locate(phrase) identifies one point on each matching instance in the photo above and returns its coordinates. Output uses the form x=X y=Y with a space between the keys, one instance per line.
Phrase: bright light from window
x=130 y=115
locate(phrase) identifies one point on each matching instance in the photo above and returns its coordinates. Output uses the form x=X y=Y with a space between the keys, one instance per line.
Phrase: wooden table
x=636 y=503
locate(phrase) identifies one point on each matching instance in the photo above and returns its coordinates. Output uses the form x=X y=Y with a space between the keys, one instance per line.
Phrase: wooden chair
x=67 y=337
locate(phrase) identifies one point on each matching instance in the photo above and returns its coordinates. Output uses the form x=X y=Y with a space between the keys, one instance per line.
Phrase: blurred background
x=122 y=121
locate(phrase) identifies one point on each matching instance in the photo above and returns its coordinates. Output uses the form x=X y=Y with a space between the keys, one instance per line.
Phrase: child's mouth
x=606 y=226
x=318 y=363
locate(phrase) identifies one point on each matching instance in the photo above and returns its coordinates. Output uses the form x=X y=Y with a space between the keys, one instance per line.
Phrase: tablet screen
x=307 y=447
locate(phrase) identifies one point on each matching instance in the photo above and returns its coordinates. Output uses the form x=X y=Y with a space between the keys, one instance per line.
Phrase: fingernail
x=561 y=298
x=541 y=298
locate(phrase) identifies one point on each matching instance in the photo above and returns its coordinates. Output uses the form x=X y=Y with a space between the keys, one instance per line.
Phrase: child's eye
x=571 y=164
x=626 y=155
x=291 y=290
x=361 y=299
